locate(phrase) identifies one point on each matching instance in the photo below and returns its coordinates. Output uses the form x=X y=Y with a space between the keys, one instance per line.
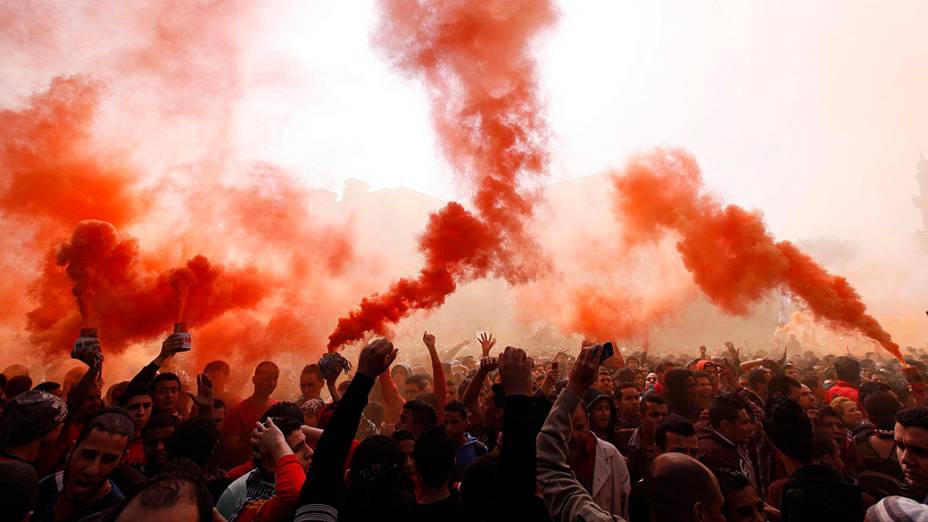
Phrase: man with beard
x=83 y=491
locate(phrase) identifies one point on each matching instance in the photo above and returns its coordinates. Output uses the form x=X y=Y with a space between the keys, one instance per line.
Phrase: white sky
x=814 y=112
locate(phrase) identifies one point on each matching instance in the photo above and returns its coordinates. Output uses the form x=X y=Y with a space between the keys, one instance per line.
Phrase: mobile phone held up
x=608 y=351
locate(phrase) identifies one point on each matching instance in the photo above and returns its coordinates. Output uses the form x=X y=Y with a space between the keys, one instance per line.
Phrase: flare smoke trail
x=733 y=258
x=140 y=138
x=475 y=60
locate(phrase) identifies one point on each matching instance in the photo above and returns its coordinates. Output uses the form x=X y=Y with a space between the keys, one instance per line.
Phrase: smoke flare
x=475 y=60
x=733 y=258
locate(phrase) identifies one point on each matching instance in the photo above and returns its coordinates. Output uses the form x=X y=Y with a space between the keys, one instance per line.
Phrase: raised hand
x=269 y=440
x=488 y=364
x=173 y=344
x=515 y=371
x=376 y=357
x=204 y=397
x=583 y=372
x=487 y=342
x=429 y=340
x=551 y=378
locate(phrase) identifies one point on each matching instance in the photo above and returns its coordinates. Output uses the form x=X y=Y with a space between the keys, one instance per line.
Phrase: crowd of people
x=563 y=435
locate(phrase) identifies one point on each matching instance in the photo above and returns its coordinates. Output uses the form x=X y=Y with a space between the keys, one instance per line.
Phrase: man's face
x=413 y=391
x=744 y=505
x=604 y=383
x=651 y=380
x=155 y=446
x=740 y=430
x=91 y=463
x=653 y=414
x=265 y=380
x=806 y=397
x=580 y=429
x=219 y=378
x=219 y=415
x=406 y=421
x=676 y=443
x=454 y=425
x=406 y=448
x=713 y=372
x=865 y=373
x=139 y=408
x=704 y=387
x=835 y=428
x=792 y=372
x=164 y=400
x=302 y=451
x=632 y=363
x=795 y=393
x=600 y=414
x=451 y=392
x=311 y=385
x=912 y=451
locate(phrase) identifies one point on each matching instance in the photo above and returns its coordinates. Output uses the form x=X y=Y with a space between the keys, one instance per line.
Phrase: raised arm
x=566 y=498
x=392 y=400
x=453 y=351
x=471 y=397
x=325 y=482
x=439 y=385
x=169 y=348
x=517 y=454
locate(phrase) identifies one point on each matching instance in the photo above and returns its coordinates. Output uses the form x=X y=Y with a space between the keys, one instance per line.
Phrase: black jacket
x=817 y=493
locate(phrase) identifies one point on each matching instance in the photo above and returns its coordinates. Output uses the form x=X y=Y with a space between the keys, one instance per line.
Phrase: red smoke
x=475 y=60
x=732 y=256
x=129 y=303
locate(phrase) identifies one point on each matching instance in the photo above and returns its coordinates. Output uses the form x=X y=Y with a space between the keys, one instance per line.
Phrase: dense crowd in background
x=560 y=435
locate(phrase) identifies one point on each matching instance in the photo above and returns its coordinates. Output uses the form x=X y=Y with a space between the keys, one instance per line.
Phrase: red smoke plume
x=475 y=60
x=129 y=303
x=732 y=256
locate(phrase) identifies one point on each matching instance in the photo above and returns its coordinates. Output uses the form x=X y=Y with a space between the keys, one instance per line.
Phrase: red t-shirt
x=842 y=389
x=240 y=422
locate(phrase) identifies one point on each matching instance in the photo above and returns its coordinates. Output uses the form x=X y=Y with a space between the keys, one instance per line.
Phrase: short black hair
x=847 y=368
x=673 y=424
x=401 y=435
x=217 y=366
x=788 y=428
x=422 y=413
x=868 y=387
x=782 y=385
x=312 y=368
x=16 y=385
x=178 y=479
x=195 y=438
x=287 y=416
x=756 y=376
x=881 y=409
x=457 y=407
x=132 y=390
x=626 y=375
x=652 y=398
x=47 y=386
x=420 y=380
x=162 y=377
x=19 y=487
x=913 y=418
x=623 y=385
x=158 y=421
x=112 y=420
x=730 y=481
x=434 y=457
x=725 y=408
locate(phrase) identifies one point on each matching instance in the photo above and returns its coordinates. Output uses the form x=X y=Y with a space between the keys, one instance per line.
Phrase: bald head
x=265 y=379
x=682 y=489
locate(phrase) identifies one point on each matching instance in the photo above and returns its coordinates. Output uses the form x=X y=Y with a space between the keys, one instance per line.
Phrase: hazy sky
x=814 y=112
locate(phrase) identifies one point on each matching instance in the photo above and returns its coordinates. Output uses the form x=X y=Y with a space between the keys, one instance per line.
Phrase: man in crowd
x=138 y=404
x=83 y=490
x=599 y=466
x=676 y=434
x=814 y=492
x=742 y=503
x=911 y=436
x=466 y=447
x=416 y=385
x=165 y=393
x=637 y=445
x=155 y=437
x=218 y=373
x=29 y=424
x=240 y=420
x=311 y=383
x=681 y=489
x=847 y=369
x=177 y=494
x=629 y=406
x=722 y=441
